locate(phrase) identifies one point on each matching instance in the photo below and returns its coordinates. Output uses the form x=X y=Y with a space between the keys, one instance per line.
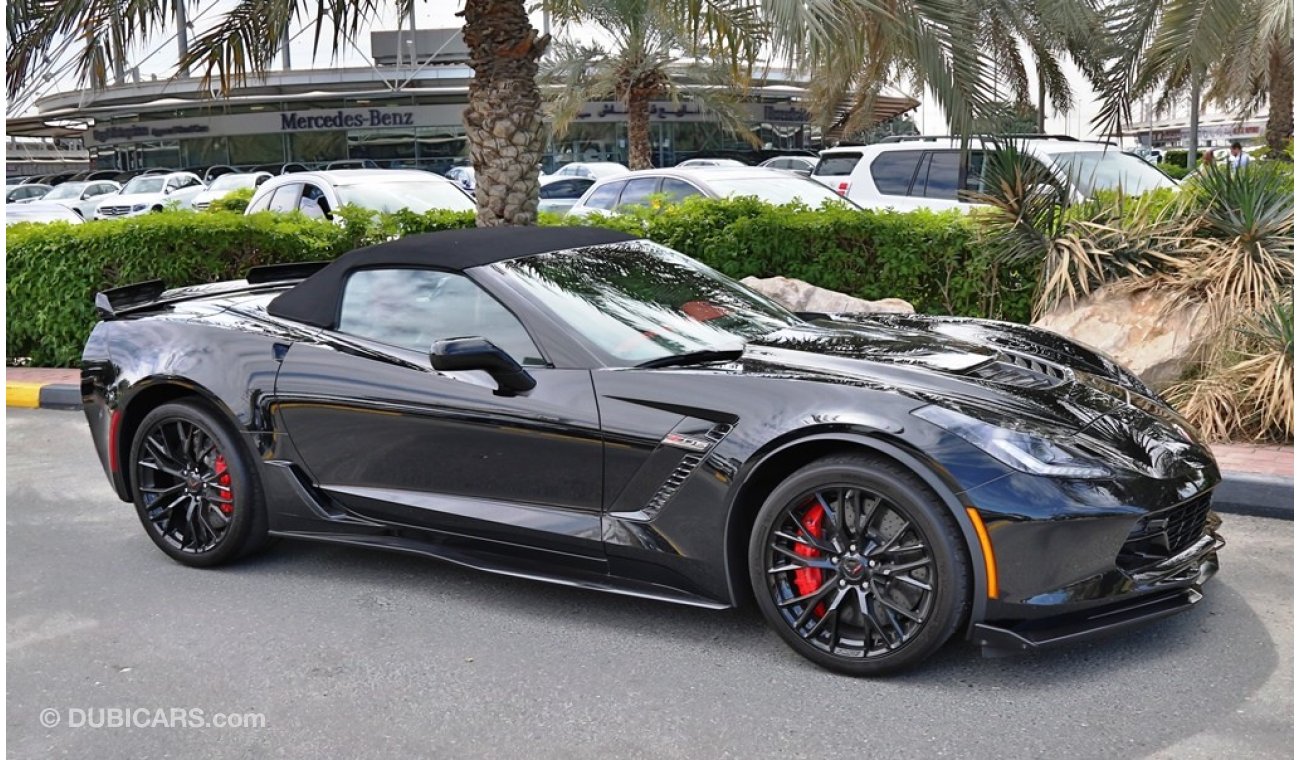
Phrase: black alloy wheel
x=194 y=491
x=858 y=566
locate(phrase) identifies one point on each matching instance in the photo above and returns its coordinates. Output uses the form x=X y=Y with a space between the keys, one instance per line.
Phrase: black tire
x=851 y=609
x=217 y=519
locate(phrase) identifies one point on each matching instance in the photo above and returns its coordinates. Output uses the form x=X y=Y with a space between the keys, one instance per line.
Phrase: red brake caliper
x=809 y=579
x=227 y=502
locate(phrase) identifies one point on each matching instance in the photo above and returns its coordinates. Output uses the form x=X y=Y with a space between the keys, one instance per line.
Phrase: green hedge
x=933 y=260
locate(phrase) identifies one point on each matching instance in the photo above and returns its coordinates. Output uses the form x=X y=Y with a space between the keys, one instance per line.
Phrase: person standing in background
x=1237 y=157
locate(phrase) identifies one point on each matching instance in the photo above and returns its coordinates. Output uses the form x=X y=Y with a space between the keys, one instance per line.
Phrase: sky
x=160 y=55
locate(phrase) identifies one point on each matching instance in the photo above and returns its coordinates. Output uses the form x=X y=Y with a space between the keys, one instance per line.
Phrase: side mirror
x=458 y=354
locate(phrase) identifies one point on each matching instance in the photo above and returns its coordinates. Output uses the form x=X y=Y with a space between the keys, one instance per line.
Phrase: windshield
x=144 y=185
x=416 y=196
x=233 y=181
x=639 y=301
x=778 y=190
x=1095 y=170
x=66 y=190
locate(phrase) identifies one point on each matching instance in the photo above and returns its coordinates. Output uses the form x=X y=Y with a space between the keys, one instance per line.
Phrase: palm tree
x=1242 y=48
x=977 y=46
x=1259 y=68
x=644 y=63
x=933 y=39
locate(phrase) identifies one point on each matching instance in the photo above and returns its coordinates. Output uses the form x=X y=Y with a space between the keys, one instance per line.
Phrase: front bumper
x=1175 y=586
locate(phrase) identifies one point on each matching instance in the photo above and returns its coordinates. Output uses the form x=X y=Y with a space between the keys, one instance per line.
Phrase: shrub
x=54 y=270
x=1177 y=171
x=235 y=200
x=933 y=260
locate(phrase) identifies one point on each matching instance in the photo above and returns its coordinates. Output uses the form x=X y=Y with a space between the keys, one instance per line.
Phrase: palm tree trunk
x=638 y=133
x=1281 y=120
x=503 y=121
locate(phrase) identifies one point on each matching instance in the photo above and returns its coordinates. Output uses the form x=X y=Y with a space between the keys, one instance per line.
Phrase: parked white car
x=225 y=185
x=933 y=173
x=318 y=194
x=590 y=169
x=150 y=192
x=82 y=198
x=39 y=212
x=674 y=185
x=558 y=194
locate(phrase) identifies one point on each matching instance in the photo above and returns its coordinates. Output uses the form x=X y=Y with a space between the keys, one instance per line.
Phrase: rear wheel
x=195 y=489
x=858 y=566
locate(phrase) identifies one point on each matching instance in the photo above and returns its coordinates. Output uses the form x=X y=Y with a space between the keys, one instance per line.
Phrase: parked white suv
x=150 y=192
x=929 y=172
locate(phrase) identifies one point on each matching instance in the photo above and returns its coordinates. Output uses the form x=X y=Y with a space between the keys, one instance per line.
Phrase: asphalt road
x=349 y=653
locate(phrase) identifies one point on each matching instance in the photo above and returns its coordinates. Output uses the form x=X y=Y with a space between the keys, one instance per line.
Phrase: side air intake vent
x=689 y=464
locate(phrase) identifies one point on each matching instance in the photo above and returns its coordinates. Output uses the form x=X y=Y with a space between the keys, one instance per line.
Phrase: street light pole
x=182 y=37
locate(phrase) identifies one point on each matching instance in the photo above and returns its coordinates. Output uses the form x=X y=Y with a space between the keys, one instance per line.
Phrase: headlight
x=1017 y=449
x=139 y=207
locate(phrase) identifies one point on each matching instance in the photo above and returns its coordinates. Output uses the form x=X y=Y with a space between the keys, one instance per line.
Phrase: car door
x=391 y=439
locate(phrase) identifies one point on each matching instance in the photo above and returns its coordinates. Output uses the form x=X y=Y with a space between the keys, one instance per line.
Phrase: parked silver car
x=82 y=198
x=675 y=185
x=226 y=184
x=558 y=194
x=590 y=169
x=26 y=192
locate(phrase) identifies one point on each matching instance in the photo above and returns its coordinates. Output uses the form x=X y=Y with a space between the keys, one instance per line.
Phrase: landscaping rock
x=1148 y=332
x=797 y=295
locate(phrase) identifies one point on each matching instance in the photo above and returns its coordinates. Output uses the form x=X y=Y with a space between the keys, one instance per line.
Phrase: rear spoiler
x=115 y=302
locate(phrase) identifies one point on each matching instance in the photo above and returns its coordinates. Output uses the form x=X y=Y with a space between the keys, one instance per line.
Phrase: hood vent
x=1021 y=371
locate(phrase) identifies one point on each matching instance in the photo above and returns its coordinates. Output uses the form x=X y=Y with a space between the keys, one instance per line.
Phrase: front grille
x=1163 y=534
x=1020 y=372
x=114 y=210
x=202 y=205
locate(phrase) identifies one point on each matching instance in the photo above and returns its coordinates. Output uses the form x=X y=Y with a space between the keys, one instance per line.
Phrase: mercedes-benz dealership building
x=401 y=112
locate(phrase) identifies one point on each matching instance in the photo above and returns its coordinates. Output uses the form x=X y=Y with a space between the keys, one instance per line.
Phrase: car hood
x=982 y=369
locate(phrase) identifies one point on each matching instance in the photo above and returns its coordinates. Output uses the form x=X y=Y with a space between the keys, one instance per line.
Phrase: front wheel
x=859 y=566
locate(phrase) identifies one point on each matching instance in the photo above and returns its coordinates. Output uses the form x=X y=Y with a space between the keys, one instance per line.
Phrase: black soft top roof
x=315 y=300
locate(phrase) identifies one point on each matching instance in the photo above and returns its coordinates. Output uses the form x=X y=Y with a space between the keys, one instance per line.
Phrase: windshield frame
x=570 y=348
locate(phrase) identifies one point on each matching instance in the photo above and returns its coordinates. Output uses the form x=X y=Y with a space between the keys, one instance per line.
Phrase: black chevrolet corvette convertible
x=579 y=406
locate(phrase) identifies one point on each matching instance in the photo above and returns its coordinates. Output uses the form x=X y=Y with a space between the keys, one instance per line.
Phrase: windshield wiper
x=695 y=357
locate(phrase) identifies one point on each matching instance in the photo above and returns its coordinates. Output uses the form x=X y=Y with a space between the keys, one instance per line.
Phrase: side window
x=638 y=191
x=413 y=308
x=940 y=178
x=678 y=190
x=285 y=198
x=605 y=196
x=893 y=171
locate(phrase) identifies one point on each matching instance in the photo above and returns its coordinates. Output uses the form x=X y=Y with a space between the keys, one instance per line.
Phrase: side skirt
x=520 y=567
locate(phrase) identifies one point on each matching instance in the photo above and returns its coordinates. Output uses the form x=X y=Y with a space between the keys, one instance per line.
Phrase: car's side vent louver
x=684 y=470
x=1022 y=372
